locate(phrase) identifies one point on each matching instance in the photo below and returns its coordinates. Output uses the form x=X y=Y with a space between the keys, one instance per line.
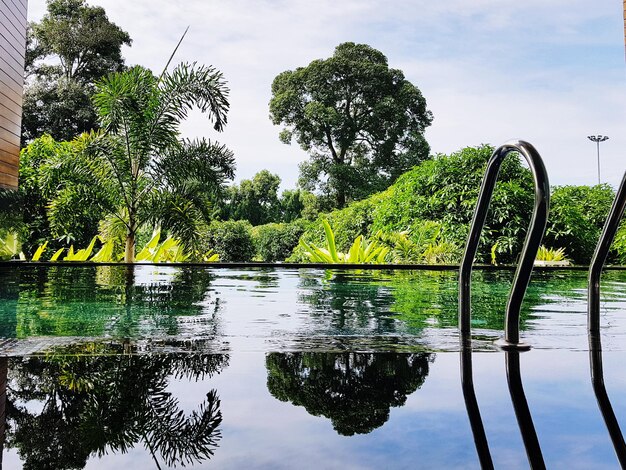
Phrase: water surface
x=160 y=367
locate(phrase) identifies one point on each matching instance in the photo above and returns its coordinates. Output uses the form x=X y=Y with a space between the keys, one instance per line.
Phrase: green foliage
x=275 y=242
x=83 y=45
x=81 y=255
x=433 y=205
x=292 y=203
x=361 y=251
x=361 y=121
x=254 y=200
x=577 y=215
x=619 y=245
x=169 y=251
x=231 y=240
x=422 y=244
x=445 y=190
x=58 y=194
x=350 y=222
x=10 y=246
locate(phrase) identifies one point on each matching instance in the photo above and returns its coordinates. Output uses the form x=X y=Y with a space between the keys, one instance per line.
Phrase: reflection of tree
x=352 y=301
x=9 y=293
x=96 y=300
x=94 y=404
x=354 y=390
x=381 y=302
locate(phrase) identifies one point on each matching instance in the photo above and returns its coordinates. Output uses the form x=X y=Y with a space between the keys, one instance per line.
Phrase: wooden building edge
x=13 y=26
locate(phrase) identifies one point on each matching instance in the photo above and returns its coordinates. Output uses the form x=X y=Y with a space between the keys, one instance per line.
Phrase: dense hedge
x=577 y=215
x=275 y=242
x=445 y=189
x=232 y=240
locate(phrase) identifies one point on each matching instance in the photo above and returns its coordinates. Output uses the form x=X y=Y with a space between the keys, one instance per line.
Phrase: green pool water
x=165 y=366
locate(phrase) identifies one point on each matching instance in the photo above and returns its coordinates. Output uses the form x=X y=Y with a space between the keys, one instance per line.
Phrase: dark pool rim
x=281 y=266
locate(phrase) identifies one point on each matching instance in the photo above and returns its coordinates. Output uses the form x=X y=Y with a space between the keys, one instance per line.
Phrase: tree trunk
x=129 y=252
x=341 y=198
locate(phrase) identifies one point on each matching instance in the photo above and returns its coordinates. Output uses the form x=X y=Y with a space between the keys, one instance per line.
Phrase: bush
x=347 y=223
x=577 y=215
x=619 y=246
x=232 y=240
x=275 y=242
x=445 y=190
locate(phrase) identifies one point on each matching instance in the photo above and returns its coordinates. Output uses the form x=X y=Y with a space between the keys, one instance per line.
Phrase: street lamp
x=597 y=139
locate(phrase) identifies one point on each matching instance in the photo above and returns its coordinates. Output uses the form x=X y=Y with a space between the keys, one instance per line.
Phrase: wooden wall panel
x=12 y=50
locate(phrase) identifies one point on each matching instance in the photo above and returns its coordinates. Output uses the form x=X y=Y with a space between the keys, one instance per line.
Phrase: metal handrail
x=599 y=258
x=534 y=235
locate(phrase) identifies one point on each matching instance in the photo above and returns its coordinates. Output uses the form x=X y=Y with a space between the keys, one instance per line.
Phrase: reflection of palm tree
x=92 y=404
x=354 y=390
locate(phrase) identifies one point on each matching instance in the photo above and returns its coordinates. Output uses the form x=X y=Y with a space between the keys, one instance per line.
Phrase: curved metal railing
x=534 y=235
x=599 y=258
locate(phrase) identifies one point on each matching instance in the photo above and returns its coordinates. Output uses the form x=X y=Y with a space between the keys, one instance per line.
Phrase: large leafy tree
x=361 y=121
x=139 y=160
x=254 y=200
x=74 y=45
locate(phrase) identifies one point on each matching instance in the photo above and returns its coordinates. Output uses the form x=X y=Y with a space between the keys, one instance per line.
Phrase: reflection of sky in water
x=430 y=431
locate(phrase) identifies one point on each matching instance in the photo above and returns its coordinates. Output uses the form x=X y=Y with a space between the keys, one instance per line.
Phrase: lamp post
x=597 y=139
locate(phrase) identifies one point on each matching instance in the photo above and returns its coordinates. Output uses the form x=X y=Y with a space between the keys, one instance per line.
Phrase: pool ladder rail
x=593 y=321
x=534 y=235
x=511 y=343
x=599 y=258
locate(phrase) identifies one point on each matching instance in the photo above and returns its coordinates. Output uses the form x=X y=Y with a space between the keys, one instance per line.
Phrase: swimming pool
x=298 y=368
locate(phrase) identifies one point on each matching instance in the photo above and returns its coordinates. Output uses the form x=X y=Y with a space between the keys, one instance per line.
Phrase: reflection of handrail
x=599 y=257
x=597 y=380
x=522 y=412
x=531 y=243
x=473 y=412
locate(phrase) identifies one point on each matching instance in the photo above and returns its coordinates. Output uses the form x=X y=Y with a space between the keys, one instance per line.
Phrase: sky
x=548 y=72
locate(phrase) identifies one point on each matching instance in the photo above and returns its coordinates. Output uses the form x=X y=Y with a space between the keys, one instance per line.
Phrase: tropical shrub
x=362 y=251
x=551 y=254
x=348 y=223
x=577 y=215
x=10 y=247
x=424 y=243
x=56 y=202
x=231 y=240
x=275 y=242
x=445 y=189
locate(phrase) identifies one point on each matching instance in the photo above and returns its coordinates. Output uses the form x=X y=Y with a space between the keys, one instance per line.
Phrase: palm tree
x=150 y=174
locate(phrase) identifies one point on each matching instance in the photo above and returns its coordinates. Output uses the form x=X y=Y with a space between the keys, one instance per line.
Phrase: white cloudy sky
x=550 y=72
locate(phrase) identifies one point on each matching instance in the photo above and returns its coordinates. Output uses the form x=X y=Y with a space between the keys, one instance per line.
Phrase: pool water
x=161 y=367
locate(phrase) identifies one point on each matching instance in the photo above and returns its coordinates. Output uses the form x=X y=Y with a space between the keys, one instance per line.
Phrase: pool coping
x=342 y=266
